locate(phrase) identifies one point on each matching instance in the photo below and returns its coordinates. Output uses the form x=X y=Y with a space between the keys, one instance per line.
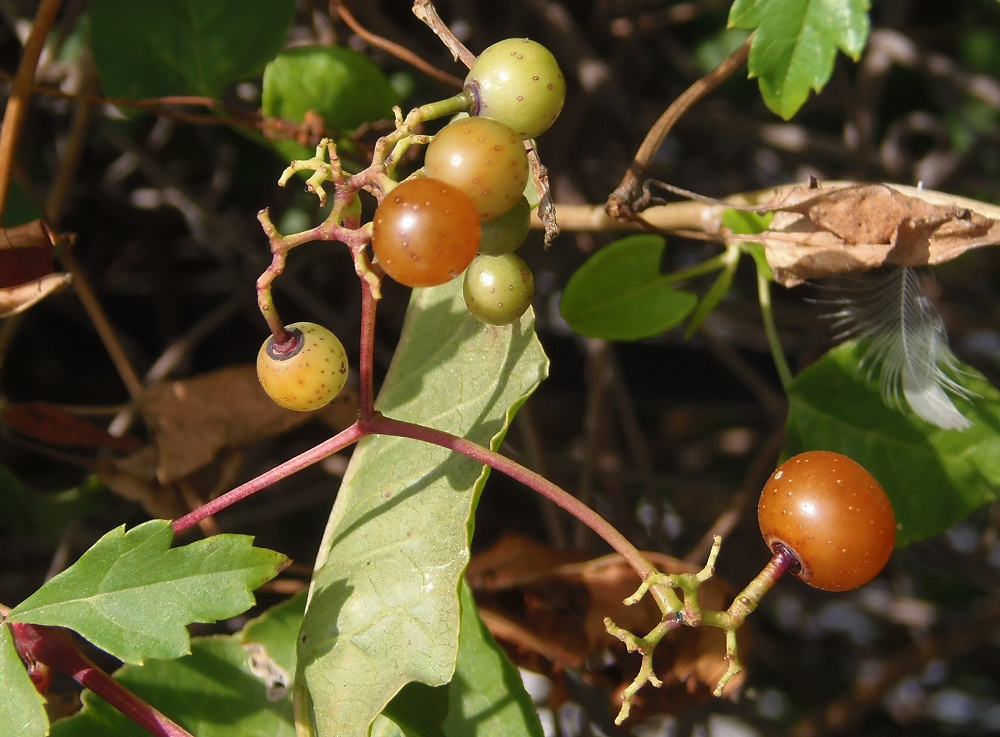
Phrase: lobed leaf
x=795 y=43
x=133 y=595
x=384 y=606
x=934 y=477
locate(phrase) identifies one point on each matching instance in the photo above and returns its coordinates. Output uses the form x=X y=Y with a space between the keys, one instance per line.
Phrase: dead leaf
x=547 y=608
x=134 y=478
x=843 y=228
x=48 y=423
x=27 y=266
x=193 y=420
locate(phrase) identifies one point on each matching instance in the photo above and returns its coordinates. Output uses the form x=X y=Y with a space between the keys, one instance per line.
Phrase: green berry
x=307 y=371
x=518 y=82
x=506 y=233
x=498 y=289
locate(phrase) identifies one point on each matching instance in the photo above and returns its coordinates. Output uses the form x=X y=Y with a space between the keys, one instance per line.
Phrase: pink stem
x=56 y=648
x=315 y=454
x=516 y=471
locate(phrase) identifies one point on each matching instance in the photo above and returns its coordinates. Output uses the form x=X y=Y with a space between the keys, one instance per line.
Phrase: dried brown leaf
x=14 y=300
x=27 y=267
x=547 y=607
x=842 y=228
x=193 y=420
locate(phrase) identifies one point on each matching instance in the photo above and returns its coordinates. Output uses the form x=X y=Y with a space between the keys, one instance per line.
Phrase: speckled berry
x=518 y=82
x=483 y=158
x=832 y=515
x=307 y=371
x=498 y=289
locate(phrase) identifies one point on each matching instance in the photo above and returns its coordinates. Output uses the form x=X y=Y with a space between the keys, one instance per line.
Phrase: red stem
x=315 y=454
x=628 y=551
x=56 y=648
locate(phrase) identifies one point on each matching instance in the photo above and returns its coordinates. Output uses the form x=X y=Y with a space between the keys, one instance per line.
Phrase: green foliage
x=213 y=692
x=620 y=294
x=384 y=608
x=484 y=697
x=934 y=477
x=133 y=595
x=342 y=86
x=22 y=709
x=795 y=43
x=184 y=47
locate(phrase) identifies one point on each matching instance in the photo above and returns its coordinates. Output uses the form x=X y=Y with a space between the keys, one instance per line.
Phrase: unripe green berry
x=518 y=82
x=307 y=371
x=498 y=289
x=506 y=233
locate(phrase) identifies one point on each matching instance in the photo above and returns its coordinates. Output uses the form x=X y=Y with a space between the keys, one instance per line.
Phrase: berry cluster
x=465 y=211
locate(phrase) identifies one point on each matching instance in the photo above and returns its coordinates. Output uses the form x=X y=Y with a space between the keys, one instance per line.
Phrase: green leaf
x=216 y=691
x=384 y=607
x=620 y=294
x=750 y=223
x=22 y=709
x=133 y=596
x=486 y=696
x=795 y=43
x=934 y=477
x=342 y=86
x=184 y=47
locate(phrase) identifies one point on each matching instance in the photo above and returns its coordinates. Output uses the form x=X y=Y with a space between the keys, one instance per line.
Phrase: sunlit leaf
x=216 y=691
x=934 y=477
x=341 y=86
x=22 y=709
x=620 y=293
x=384 y=607
x=795 y=43
x=133 y=595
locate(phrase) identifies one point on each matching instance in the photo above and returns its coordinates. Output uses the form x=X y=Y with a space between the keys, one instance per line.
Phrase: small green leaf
x=934 y=477
x=216 y=691
x=795 y=43
x=342 y=86
x=22 y=709
x=620 y=294
x=384 y=606
x=133 y=595
x=184 y=47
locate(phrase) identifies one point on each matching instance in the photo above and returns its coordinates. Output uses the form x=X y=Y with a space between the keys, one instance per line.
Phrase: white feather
x=908 y=347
